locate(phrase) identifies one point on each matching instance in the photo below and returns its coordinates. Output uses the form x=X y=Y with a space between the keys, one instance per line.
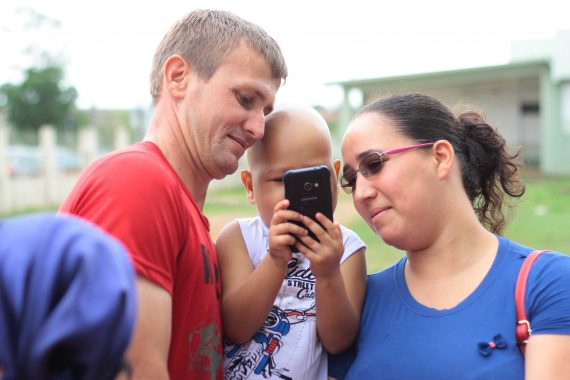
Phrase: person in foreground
x=281 y=308
x=214 y=78
x=67 y=300
x=435 y=185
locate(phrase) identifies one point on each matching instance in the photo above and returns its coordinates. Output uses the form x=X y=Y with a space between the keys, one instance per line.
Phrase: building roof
x=512 y=70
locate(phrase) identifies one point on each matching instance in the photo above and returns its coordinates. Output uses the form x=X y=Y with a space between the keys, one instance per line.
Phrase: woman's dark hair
x=488 y=170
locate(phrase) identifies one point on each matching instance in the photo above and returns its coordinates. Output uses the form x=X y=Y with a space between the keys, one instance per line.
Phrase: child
x=282 y=310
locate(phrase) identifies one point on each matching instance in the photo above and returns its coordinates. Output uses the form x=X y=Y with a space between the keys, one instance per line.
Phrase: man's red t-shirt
x=136 y=196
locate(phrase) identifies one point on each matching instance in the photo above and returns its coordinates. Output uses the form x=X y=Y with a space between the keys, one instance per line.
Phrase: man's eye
x=245 y=101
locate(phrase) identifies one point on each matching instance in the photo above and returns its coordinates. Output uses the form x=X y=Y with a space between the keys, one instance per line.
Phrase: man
x=214 y=78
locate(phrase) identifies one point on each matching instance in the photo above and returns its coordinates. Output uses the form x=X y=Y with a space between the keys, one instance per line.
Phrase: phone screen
x=309 y=191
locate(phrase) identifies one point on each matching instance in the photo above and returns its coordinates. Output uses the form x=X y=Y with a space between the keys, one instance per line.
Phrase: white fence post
x=5 y=187
x=87 y=145
x=47 y=147
x=122 y=138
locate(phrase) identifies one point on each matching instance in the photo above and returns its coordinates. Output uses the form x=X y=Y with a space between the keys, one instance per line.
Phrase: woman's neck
x=445 y=273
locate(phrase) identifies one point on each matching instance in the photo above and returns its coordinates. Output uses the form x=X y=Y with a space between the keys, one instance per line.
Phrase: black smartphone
x=309 y=191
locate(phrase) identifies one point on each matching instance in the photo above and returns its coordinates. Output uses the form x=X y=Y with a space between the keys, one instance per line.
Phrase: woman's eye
x=374 y=166
x=348 y=179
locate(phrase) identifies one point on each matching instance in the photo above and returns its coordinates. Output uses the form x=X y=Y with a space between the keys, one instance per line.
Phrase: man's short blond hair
x=205 y=37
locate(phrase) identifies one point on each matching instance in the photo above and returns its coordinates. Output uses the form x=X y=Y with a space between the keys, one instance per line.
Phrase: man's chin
x=226 y=169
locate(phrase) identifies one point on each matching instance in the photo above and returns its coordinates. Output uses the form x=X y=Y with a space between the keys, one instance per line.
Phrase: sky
x=107 y=46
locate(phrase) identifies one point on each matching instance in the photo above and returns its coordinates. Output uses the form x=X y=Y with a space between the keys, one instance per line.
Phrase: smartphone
x=309 y=191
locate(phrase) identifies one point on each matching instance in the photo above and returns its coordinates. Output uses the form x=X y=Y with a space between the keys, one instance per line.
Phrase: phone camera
x=308 y=186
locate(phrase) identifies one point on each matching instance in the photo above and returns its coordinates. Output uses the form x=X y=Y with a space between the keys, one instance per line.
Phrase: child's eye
x=277 y=179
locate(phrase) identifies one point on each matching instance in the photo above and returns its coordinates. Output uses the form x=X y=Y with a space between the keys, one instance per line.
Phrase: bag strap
x=523 y=329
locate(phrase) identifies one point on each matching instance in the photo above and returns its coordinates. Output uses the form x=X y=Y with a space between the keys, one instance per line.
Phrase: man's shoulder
x=136 y=162
x=120 y=178
x=133 y=155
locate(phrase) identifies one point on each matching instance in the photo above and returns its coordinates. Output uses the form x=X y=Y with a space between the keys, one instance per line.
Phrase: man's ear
x=444 y=155
x=336 y=166
x=248 y=185
x=176 y=75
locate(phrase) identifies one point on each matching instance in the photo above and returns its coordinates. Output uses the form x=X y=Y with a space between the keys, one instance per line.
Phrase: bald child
x=282 y=311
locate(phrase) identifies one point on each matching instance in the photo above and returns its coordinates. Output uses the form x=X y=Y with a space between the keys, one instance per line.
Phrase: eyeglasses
x=371 y=164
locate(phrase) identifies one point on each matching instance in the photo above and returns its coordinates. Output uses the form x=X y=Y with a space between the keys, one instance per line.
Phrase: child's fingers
x=281 y=205
x=284 y=240
x=284 y=216
x=305 y=250
x=313 y=226
x=332 y=228
x=288 y=228
x=323 y=233
x=310 y=245
x=324 y=221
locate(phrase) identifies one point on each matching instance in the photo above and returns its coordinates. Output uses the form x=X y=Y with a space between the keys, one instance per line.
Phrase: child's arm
x=339 y=288
x=247 y=292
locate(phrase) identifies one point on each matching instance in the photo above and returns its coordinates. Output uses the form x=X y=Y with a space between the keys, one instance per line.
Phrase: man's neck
x=165 y=134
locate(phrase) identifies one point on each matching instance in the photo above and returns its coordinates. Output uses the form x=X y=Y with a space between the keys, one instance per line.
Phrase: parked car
x=27 y=160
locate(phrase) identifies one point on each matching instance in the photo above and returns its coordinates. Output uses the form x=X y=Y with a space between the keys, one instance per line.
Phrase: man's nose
x=255 y=125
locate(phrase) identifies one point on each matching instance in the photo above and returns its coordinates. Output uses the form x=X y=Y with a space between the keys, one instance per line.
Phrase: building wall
x=555 y=157
x=507 y=104
x=538 y=74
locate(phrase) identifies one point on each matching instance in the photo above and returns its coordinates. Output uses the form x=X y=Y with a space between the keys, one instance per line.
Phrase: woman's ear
x=176 y=75
x=248 y=185
x=444 y=155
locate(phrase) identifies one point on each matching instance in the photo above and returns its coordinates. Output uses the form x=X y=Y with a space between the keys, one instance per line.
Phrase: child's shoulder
x=351 y=241
x=233 y=244
x=254 y=223
x=250 y=233
x=348 y=232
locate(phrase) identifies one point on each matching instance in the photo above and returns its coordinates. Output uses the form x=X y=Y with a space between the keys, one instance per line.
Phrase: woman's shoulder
x=548 y=293
x=388 y=274
x=551 y=266
x=549 y=259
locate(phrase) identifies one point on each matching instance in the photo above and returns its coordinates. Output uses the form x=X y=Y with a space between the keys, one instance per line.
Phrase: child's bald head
x=293 y=128
x=295 y=137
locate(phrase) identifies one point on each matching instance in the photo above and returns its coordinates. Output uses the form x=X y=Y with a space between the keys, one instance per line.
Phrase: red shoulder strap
x=523 y=329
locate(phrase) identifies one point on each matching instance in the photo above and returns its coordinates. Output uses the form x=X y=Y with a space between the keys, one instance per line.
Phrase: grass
x=378 y=254
x=541 y=220
x=31 y=210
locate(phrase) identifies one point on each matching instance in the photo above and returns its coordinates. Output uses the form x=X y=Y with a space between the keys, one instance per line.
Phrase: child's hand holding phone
x=309 y=193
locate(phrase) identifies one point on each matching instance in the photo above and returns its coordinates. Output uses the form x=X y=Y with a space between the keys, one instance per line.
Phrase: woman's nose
x=363 y=188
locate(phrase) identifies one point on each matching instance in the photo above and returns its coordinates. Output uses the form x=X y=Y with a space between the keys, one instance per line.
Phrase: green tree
x=40 y=99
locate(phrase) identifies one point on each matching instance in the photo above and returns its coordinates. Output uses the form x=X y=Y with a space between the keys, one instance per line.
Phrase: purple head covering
x=67 y=299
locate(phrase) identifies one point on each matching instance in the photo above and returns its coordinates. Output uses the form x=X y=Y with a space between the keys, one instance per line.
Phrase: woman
x=434 y=186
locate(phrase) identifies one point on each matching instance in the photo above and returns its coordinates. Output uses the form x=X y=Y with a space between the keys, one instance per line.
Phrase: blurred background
x=74 y=85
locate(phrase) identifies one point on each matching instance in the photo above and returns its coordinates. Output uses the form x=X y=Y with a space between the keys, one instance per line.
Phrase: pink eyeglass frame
x=390 y=152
